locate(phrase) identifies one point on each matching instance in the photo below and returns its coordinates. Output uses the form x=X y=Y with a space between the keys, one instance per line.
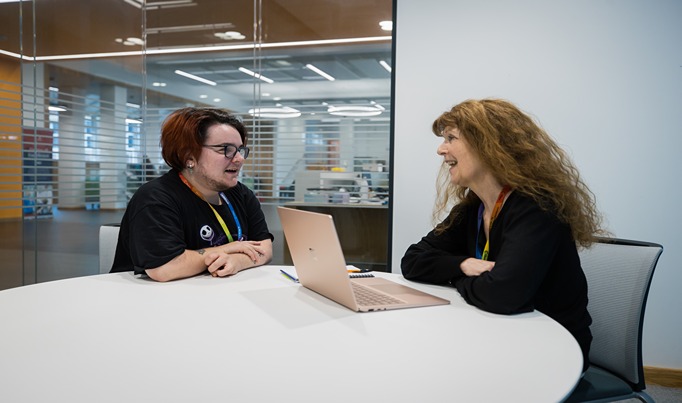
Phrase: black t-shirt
x=164 y=218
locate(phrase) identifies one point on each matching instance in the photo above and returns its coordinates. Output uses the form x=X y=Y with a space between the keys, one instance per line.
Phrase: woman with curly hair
x=509 y=244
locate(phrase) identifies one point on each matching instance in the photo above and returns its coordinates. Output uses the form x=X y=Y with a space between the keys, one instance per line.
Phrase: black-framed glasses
x=230 y=150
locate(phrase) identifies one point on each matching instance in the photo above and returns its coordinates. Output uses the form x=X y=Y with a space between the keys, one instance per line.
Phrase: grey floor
x=661 y=394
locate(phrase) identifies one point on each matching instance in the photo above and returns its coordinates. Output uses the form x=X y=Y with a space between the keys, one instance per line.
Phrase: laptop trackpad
x=396 y=289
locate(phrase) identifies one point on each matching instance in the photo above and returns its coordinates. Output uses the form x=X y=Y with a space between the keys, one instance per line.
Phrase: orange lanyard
x=496 y=211
x=220 y=219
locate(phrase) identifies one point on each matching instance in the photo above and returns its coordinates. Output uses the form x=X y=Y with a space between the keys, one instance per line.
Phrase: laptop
x=316 y=251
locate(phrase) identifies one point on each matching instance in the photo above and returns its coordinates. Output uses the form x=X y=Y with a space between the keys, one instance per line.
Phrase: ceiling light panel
x=354 y=111
x=195 y=77
x=256 y=75
x=189 y=28
x=275 y=113
x=386 y=25
x=320 y=72
x=230 y=36
x=154 y=5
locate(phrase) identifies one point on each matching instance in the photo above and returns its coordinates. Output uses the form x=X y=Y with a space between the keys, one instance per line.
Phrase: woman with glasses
x=516 y=211
x=197 y=217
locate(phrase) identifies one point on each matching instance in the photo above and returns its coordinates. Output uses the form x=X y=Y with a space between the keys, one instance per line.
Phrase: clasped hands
x=230 y=259
x=476 y=267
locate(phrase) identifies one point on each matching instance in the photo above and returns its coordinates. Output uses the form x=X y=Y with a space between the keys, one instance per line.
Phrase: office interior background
x=604 y=78
x=84 y=87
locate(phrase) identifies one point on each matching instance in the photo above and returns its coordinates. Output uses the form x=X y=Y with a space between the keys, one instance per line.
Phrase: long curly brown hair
x=519 y=154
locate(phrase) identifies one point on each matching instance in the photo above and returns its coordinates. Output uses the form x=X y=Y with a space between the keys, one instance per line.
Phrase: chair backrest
x=619 y=273
x=108 y=239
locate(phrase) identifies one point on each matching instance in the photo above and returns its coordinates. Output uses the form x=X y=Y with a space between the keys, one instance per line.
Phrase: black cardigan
x=536 y=265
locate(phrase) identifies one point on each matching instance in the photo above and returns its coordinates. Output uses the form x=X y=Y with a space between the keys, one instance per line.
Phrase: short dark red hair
x=183 y=132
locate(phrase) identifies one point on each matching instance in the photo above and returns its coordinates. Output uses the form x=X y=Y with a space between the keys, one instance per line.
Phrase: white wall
x=603 y=77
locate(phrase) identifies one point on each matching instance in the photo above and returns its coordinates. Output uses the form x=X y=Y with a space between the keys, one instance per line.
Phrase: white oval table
x=259 y=337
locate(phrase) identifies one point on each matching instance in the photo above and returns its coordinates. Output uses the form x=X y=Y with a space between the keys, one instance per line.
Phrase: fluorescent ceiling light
x=230 y=36
x=386 y=65
x=134 y=41
x=166 y=51
x=56 y=108
x=354 y=110
x=188 y=28
x=386 y=25
x=378 y=106
x=132 y=105
x=134 y=3
x=276 y=113
x=151 y=5
x=133 y=121
x=196 y=78
x=252 y=74
x=131 y=41
x=11 y=1
x=320 y=72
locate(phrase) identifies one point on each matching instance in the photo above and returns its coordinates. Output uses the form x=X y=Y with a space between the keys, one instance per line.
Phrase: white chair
x=108 y=238
x=619 y=273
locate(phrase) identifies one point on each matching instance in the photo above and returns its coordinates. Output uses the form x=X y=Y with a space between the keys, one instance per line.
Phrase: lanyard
x=236 y=220
x=496 y=211
x=220 y=219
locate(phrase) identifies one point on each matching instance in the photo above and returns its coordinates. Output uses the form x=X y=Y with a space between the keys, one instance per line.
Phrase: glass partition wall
x=85 y=85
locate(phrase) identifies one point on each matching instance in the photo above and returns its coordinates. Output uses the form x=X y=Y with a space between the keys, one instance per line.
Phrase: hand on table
x=228 y=260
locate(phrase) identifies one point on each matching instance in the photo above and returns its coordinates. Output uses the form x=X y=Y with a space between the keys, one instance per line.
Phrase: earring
x=191 y=167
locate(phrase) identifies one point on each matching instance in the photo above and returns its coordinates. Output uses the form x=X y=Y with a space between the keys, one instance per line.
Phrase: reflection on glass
x=82 y=106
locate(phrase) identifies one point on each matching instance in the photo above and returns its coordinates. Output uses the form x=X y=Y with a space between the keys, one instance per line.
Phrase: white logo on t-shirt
x=206 y=233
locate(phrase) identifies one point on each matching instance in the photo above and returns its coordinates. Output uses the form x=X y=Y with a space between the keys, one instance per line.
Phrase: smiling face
x=214 y=172
x=466 y=169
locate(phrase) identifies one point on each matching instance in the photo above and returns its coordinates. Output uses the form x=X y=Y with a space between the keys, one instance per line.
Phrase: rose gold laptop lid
x=317 y=255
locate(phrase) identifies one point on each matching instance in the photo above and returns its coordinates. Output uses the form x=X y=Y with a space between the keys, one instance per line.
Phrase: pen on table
x=289 y=276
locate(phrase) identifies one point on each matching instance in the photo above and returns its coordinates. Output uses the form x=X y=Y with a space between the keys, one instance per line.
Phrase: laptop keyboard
x=367 y=296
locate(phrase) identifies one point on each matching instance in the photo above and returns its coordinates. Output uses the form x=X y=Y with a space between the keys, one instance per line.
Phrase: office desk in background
x=362 y=230
x=259 y=337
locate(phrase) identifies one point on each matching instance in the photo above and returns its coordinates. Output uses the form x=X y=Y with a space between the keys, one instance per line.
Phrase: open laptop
x=321 y=267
